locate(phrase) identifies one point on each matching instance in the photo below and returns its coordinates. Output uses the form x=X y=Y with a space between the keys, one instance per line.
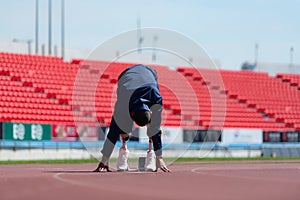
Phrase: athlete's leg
x=124 y=138
x=150 y=164
x=122 y=163
x=150 y=144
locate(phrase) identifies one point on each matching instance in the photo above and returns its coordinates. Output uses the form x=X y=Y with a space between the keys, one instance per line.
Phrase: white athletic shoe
x=150 y=164
x=122 y=163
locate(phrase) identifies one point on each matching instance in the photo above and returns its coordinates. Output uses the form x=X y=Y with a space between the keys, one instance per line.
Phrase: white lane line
x=57 y=177
x=205 y=172
x=216 y=172
x=248 y=168
x=102 y=186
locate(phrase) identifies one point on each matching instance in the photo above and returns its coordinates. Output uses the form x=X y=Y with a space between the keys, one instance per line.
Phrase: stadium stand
x=269 y=104
x=35 y=89
x=44 y=89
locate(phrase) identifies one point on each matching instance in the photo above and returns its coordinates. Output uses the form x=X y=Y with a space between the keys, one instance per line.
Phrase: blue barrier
x=137 y=145
x=130 y=144
x=281 y=145
x=244 y=146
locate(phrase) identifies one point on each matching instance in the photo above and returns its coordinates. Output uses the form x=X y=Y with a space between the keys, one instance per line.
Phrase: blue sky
x=227 y=29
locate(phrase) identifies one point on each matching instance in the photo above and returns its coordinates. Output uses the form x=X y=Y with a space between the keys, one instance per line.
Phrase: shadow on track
x=89 y=171
x=69 y=171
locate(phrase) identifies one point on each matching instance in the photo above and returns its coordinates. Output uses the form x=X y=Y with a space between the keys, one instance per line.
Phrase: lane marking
x=103 y=187
x=216 y=172
x=57 y=177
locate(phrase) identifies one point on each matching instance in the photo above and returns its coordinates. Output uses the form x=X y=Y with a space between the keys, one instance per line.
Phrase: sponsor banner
x=87 y=133
x=242 y=136
x=64 y=132
x=73 y=133
x=20 y=131
x=170 y=135
x=292 y=137
x=191 y=136
x=273 y=136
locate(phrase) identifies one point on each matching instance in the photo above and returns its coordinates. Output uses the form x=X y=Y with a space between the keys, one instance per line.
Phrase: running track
x=201 y=180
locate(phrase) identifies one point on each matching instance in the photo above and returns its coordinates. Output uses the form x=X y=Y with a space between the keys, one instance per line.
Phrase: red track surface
x=221 y=180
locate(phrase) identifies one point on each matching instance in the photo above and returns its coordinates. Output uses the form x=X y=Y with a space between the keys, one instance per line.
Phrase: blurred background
x=246 y=106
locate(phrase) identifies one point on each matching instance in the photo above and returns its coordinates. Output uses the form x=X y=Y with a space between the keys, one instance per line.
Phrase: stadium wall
x=56 y=154
x=21 y=141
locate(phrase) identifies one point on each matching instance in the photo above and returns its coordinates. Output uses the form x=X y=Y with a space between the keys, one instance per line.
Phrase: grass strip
x=93 y=160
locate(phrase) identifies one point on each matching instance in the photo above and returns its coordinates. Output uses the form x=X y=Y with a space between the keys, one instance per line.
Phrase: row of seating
x=83 y=91
x=292 y=79
x=259 y=92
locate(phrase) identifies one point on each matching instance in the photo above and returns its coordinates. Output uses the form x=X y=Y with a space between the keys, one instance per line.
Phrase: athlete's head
x=141 y=117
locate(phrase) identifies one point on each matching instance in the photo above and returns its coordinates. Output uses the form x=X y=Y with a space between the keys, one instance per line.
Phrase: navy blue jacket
x=137 y=90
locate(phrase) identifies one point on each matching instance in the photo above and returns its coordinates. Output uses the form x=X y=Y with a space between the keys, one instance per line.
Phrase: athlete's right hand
x=161 y=164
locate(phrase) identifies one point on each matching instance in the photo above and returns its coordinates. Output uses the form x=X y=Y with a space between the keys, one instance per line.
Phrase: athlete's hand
x=103 y=165
x=101 y=168
x=161 y=164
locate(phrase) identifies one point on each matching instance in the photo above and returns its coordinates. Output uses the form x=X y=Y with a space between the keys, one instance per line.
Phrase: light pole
x=139 y=35
x=155 y=38
x=256 y=54
x=49 y=27
x=291 y=56
x=62 y=29
x=36 y=26
x=28 y=42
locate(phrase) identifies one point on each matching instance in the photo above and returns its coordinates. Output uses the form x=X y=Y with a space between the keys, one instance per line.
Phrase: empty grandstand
x=72 y=100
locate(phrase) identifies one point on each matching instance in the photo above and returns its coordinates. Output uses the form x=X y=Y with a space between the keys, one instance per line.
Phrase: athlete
x=138 y=100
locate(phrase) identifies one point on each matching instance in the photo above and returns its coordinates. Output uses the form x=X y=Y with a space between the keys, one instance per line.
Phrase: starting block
x=141 y=163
